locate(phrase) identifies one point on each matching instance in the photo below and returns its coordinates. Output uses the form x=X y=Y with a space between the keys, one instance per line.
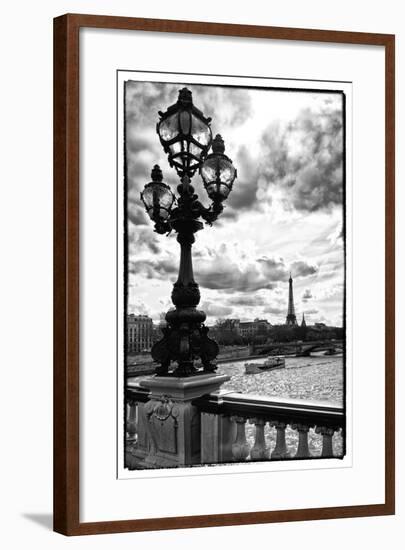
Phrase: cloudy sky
x=284 y=212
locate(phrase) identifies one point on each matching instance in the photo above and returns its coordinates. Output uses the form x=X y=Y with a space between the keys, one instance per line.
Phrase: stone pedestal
x=171 y=424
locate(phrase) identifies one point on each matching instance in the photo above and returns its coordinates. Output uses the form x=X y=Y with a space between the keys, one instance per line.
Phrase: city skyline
x=246 y=320
x=284 y=213
x=299 y=317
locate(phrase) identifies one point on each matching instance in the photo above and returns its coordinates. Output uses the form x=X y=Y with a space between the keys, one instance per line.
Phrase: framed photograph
x=223 y=274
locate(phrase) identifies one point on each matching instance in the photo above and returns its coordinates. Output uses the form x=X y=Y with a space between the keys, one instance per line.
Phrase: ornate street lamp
x=186 y=137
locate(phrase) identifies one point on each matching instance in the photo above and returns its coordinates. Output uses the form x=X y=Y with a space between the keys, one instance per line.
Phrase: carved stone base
x=171 y=424
x=184 y=341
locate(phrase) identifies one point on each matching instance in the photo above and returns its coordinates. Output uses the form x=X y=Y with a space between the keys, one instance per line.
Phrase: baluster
x=280 y=450
x=327 y=434
x=341 y=442
x=240 y=448
x=303 y=449
x=131 y=421
x=259 y=450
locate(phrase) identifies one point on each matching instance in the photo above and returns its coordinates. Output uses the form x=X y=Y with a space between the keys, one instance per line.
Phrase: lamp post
x=186 y=137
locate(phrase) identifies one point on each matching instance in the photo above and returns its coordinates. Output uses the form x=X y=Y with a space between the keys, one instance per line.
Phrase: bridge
x=222 y=426
x=299 y=348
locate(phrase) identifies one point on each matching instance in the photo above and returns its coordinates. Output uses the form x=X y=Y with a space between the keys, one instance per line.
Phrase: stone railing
x=136 y=439
x=228 y=427
x=239 y=427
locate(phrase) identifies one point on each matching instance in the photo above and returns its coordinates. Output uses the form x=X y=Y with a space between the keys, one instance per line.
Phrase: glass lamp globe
x=185 y=134
x=217 y=172
x=157 y=197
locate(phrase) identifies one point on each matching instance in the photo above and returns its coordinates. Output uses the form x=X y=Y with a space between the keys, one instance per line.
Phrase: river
x=312 y=378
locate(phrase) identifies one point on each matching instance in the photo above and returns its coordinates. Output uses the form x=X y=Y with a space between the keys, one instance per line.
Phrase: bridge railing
x=136 y=435
x=236 y=427
x=239 y=427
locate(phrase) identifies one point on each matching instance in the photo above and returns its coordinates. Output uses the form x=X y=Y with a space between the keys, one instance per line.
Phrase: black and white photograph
x=200 y=234
x=234 y=261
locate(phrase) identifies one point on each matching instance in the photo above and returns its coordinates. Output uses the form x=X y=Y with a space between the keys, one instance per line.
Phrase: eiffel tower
x=291 y=319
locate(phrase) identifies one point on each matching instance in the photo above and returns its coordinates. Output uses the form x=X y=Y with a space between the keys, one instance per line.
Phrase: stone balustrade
x=231 y=427
x=136 y=440
x=260 y=425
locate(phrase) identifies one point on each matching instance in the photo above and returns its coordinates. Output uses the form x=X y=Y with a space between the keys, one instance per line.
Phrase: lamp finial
x=156 y=174
x=218 y=144
x=185 y=96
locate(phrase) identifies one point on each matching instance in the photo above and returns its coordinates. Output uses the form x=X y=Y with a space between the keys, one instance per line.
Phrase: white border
x=249 y=467
x=102 y=496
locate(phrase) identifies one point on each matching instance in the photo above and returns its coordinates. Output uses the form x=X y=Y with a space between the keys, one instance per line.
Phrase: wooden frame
x=66 y=273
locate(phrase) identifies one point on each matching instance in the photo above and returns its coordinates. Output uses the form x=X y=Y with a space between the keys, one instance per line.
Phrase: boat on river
x=271 y=363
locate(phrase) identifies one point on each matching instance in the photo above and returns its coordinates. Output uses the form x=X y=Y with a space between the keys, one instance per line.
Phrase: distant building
x=320 y=331
x=303 y=323
x=230 y=324
x=249 y=329
x=225 y=331
x=140 y=333
x=233 y=331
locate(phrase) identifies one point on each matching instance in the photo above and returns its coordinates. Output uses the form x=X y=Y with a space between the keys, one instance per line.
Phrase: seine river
x=313 y=378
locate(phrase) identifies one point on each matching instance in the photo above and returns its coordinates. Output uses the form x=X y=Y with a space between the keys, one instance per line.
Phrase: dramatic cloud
x=331 y=292
x=304 y=157
x=146 y=99
x=236 y=105
x=225 y=269
x=274 y=269
x=274 y=310
x=302 y=269
x=159 y=268
x=244 y=192
x=143 y=239
x=216 y=310
x=222 y=268
x=136 y=212
x=224 y=276
x=307 y=295
x=311 y=311
x=245 y=301
x=138 y=307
